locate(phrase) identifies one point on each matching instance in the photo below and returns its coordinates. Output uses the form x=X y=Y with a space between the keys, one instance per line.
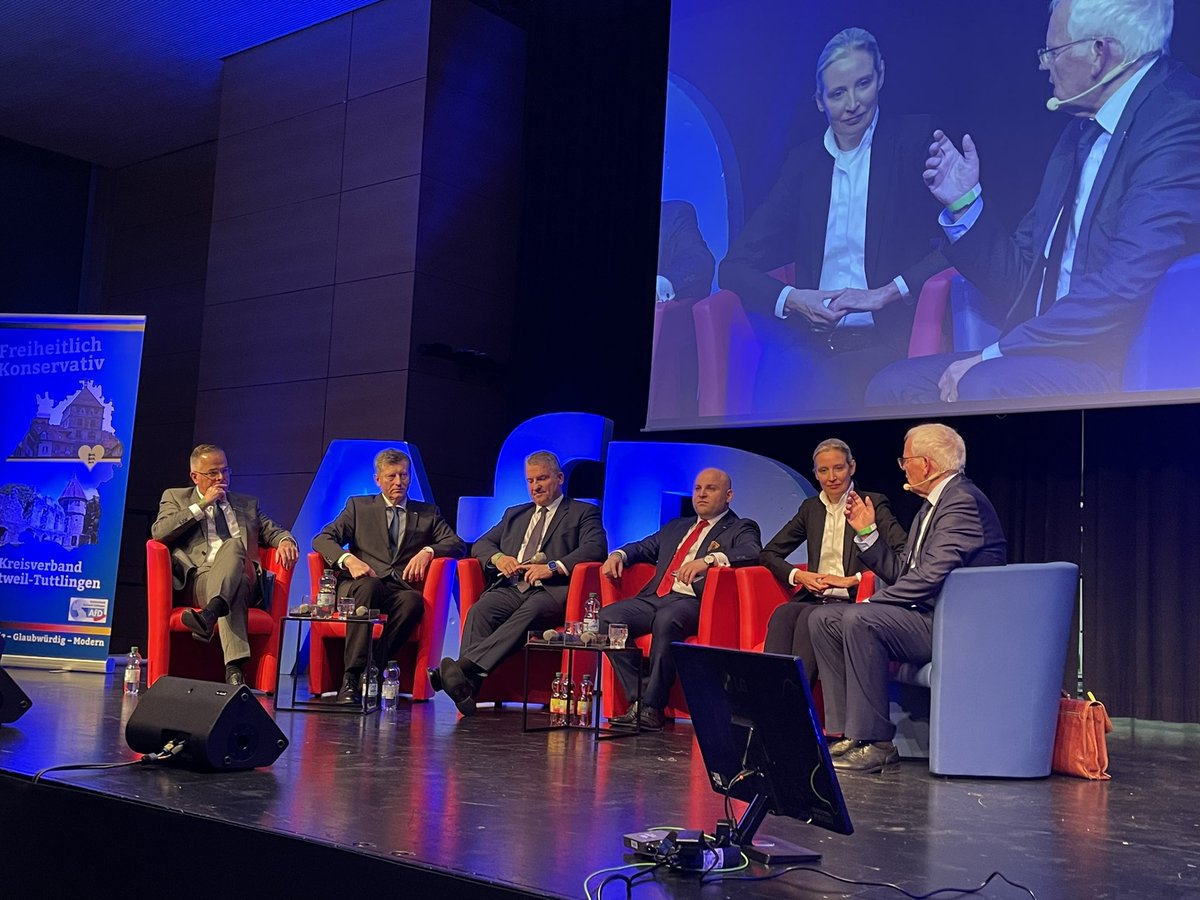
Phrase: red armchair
x=505 y=682
x=327 y=639
x=759 y=593
x=729 y=350
x=170 y=647
x=719 y=614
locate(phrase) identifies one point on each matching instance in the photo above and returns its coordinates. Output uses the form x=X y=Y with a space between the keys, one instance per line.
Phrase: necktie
x=915 y=536
x=1088 y=132
x=533 y=543
x=219 y=523
x=681 y=555
x=394 y=529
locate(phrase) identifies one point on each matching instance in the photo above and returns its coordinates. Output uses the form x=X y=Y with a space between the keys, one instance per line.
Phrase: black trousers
x=788 y=633
x=670 y=618
x=404 y=607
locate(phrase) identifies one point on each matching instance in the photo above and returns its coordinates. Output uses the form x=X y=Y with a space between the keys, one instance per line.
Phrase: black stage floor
x=422 y=803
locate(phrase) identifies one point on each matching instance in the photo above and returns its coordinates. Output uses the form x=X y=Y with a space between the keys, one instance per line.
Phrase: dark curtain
x=1141 y=540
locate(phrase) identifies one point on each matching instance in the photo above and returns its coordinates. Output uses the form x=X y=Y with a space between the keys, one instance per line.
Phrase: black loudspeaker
x=223 y=727
x=13 y=700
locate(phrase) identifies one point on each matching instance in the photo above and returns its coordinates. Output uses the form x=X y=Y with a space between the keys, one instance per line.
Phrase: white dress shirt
x=844 y=262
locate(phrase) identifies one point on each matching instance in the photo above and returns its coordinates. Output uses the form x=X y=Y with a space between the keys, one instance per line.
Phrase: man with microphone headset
x=1118 y=205
x=854 y=642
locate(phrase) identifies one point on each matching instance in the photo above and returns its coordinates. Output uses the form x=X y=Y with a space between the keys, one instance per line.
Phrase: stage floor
x=424 y=794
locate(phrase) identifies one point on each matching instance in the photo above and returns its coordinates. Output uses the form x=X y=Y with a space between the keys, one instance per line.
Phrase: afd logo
x=88 y=609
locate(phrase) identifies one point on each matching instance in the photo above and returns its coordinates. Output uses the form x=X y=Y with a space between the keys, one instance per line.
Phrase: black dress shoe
x=349 y=691
x=234 y=676
x=435 y=678
x=650 y=719
x=200 y=622
x=839 y=746
x=457 y=686
x=869 y=759
x=627 y=719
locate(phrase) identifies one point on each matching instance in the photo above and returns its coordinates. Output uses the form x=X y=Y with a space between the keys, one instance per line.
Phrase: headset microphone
x=909 y=486
x=1054 y=104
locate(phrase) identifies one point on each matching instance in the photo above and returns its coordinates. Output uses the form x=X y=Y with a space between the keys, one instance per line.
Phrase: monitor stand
x=767 y=850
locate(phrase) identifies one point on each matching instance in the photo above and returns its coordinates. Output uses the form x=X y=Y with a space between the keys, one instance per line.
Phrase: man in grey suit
x=854 y=642
x=210 y=530
x=529 y=555
x=381 y=547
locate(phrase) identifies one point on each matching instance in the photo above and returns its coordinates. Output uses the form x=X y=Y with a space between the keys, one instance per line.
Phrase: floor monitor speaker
x=222 y=727
x=13 y=701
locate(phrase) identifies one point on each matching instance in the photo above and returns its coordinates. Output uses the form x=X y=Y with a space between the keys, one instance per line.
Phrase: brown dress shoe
x=869 y=759
x=839 y=746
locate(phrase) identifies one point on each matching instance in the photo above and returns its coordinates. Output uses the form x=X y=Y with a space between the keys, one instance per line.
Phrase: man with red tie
x=669 y=606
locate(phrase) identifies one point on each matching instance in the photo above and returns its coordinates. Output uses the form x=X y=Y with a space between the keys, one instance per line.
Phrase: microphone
x=909 y=487
x=1054 y=104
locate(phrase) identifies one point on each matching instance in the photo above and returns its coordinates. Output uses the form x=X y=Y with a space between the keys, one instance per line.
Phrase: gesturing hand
x=948 y=173
x=860 y=511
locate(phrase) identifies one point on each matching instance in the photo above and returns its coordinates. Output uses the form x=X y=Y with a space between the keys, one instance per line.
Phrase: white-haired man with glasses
x=956 y=526
x=1118 y=205
x=209 y=530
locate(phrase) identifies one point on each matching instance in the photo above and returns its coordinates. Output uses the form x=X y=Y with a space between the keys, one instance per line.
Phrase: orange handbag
x=1080 y=748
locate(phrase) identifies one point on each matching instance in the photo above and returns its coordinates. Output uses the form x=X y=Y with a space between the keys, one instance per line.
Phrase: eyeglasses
x=213 y=473
x=1047 y=55
x=901 y=460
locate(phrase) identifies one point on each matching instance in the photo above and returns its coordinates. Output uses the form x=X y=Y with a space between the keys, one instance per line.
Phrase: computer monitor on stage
x=761 y=742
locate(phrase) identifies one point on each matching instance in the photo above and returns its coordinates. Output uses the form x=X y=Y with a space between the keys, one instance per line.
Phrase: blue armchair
x=1000 y=636
x=1161 y=357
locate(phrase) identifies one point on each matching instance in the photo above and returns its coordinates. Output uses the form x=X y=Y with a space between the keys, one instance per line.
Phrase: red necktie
x=668 y=579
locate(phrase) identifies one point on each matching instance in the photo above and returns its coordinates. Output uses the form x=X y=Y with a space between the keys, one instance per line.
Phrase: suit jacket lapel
x=816 y=190
x=1151 y=80
x=559 y=515
x=879 y=178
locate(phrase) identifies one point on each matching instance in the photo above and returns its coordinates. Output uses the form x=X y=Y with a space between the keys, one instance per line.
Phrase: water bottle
x=567 y=691
x=558 y=706
x=591 y=614
x=133 y=672
x=391 y=685
x=583 y=704
x=370 y=685
x=326 y=595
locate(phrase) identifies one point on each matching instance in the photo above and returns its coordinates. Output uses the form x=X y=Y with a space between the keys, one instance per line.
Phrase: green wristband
x=964 y=201
x=870 y=529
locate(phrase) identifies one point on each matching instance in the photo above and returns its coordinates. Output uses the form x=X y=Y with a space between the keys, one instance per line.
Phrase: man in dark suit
x=528 y=555
x=210 y=531
x=834 y=568
x=1119 y=203
x=956 y=526
x=668 y=607
x=381 y=547
x=849 y=213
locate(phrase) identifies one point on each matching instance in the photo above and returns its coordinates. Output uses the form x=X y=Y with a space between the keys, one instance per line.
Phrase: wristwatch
x=553 y=566
x=710 y=559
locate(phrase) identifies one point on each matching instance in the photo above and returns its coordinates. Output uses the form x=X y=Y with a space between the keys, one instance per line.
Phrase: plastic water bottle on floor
x=391 y=686
x=133 y=672
x=558 y=705
x=583 y=703
x=370 y=684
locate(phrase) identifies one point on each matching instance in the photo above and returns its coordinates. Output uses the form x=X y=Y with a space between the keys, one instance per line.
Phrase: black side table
x=287 y=680
x=571 y=647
